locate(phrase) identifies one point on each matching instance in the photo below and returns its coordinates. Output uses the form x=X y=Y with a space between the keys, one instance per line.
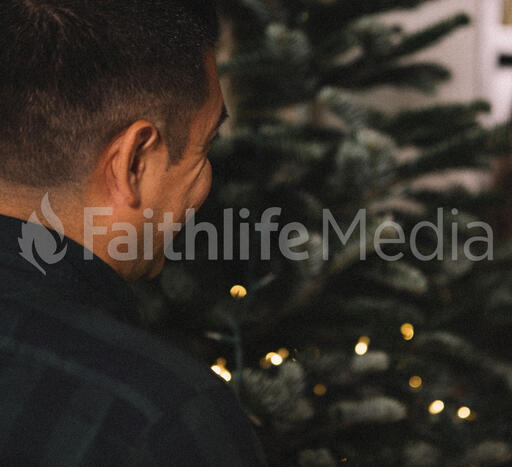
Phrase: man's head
x=114 y=100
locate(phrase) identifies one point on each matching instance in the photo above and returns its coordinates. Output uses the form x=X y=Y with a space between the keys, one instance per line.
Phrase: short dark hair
x=74 y=73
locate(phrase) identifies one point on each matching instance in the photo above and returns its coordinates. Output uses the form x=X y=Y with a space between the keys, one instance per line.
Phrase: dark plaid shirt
x=81 y=385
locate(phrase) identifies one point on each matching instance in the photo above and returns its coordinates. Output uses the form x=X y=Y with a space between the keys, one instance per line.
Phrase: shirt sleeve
x=206 y=430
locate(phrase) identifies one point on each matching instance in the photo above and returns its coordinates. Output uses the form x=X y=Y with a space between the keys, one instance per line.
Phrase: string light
x=285 y=353
x=238 y=292
x=226 y=376
x=415 y=382
x=274 y=358
x=320 y=390
x=407 y=330
x=436 y=407
x=220 y=369
x=362 y=346
x=464 y=412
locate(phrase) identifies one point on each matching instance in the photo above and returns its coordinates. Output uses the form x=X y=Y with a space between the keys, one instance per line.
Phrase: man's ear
x=126 y=161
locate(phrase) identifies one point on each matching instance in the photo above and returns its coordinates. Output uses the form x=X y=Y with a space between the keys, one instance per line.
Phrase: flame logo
x=36 y=239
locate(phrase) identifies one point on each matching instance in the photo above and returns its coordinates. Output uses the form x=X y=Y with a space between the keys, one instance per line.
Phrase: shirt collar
x=91 y=281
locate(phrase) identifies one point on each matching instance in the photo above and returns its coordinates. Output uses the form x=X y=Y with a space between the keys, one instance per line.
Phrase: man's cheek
x=206 y=183
x=209 y=177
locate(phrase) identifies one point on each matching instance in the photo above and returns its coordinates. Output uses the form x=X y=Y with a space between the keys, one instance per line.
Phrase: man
x=109 y=107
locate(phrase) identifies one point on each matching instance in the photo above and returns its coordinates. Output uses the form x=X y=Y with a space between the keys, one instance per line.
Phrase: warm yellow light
x=238 y=291
x=320 y=390
x=220 y=369
x=436 y=407
x=285 y=353
x=407 y=330
x=463 y=412
x=221 y=361
x=415 y=382
x=276 y=359
x=226 y=375
x=364 y=340
x=361 y=348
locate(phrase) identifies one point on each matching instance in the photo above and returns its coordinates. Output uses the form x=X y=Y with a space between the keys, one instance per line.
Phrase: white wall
x=471 y=53
x=494 y=82
x=457 y=51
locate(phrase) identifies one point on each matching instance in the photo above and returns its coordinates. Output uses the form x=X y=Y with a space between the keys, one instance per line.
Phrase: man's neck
x=64 y=211
x=58 y=209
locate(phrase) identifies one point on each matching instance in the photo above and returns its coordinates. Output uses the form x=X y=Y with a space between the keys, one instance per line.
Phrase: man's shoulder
x=145 y=400
x=64 y=319
x=83 y=385
x=91 y=339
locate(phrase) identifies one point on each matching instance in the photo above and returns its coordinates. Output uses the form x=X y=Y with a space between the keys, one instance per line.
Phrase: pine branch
x=423 y=77
x=427 y=37
x=464 y=150
x=325 y=18
x=473 y=148
x=433 y=124
x=349 y=256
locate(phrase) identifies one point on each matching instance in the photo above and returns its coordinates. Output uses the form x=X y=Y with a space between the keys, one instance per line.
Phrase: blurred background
x=398 y=107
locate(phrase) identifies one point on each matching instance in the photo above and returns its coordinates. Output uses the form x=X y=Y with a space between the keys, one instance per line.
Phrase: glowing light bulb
x=362 y=346
x=226 y=375
x=285 y=353
x=216 y=369
x=464 y=412
x=220 y=369
x=238 y=291
x=407 y=330
x=274 y=358
x=436 y=407
x=415 y=382
x=320 y=390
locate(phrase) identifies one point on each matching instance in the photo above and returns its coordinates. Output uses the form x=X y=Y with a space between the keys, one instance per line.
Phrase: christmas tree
x=338 y=356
